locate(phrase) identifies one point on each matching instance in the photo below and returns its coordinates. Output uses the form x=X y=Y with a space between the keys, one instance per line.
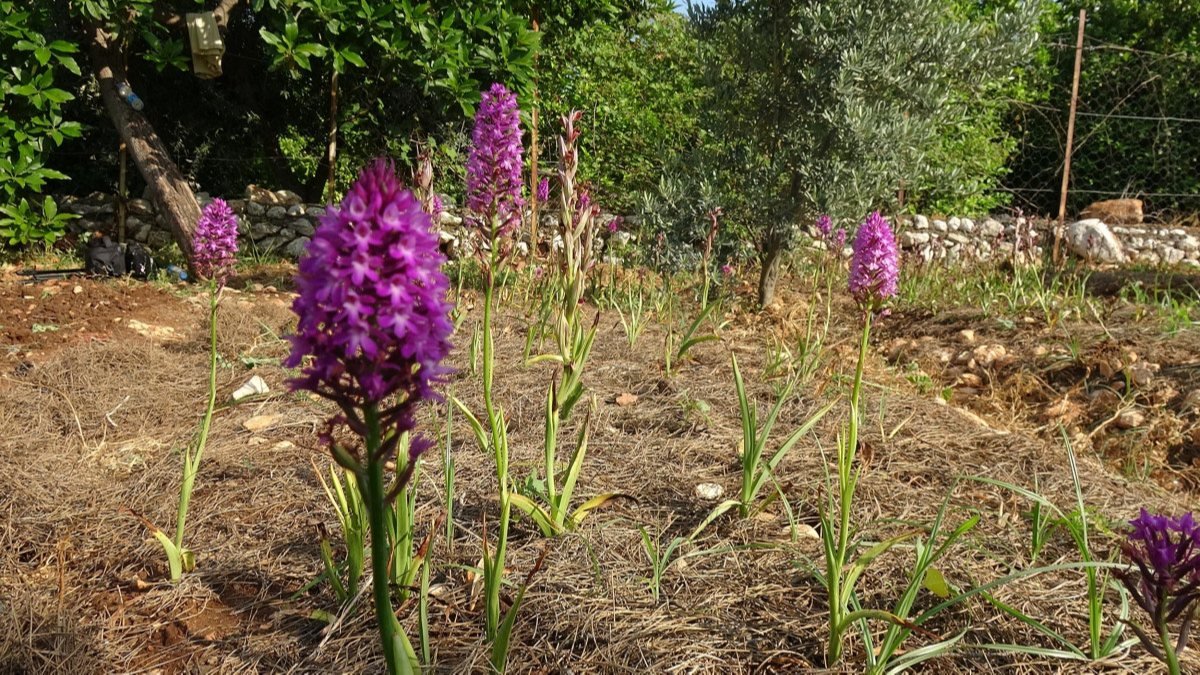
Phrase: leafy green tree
x=32 y=70
x=450 y=53
x=639 y=88
x=833 y=107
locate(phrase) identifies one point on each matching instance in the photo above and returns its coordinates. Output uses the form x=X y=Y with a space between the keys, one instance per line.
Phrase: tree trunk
x=168 y=188
x=771 y=259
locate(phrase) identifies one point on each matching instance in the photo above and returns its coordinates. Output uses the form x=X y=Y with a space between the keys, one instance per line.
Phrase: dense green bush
x=32 y=123
x=638 y=87
x=414 y=76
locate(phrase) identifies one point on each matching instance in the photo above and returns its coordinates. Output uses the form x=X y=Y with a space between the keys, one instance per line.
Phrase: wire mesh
x=1137 y=131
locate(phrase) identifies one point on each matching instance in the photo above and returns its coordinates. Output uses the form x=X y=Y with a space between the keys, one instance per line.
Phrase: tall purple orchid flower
x=373 y=331
x=494 y=167
x=374 y=325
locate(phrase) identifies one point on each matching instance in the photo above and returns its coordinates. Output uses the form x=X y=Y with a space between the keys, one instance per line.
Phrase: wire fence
x=1137 y=132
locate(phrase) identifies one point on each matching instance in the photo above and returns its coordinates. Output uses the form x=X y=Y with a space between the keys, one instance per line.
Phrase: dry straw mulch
x=91 y=435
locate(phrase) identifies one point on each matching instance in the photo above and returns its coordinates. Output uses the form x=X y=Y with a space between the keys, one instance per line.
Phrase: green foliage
x=832 y=107
x=757 y=466
x=638 y=86
x=410 y=73
x=21 y=225
x=32 y=123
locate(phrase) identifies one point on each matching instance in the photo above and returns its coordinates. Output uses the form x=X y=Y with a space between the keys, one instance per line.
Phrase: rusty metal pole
x=1066 y=177
x=122 y=197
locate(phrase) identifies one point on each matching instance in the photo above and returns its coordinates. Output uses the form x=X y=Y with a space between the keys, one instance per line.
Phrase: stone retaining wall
x=279 y=223
x=963 y=239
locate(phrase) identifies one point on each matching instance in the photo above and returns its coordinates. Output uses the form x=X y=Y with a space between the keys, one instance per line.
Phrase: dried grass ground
x=92 y=416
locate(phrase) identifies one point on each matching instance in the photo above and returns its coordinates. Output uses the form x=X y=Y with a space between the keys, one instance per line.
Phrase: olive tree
x=832 y=107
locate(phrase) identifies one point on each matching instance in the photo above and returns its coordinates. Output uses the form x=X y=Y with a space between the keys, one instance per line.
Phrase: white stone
x=287 y=197
x=709 y=491
x=1130 y=419
x=991 y=228
x=261 y=422
x=1170 y=255
x=1092 y=239
x=968 y=226
x=910 y=238
x=295 y=210
x=940 y=226
x=447 y=218
x=954 y=223
x=1188 y=244
x=958 y=237
x=921 y=223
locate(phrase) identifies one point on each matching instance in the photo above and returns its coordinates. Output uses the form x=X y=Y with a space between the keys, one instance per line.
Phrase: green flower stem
x=494 y=568
x=1164 y=634
x=389 y=627
x=846 y=484
x=1169 y=652
x=192 y=455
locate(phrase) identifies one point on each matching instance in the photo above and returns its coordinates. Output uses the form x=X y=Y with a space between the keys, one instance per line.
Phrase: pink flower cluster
x=495 y=165
x=875 y=266
x=373 y=313
x=214 y=247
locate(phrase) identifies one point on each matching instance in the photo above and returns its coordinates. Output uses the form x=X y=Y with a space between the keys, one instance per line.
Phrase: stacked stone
x=958 y=240
x=279 y=223
x=1160 y=245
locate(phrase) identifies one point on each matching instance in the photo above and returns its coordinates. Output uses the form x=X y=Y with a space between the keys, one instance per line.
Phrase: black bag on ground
x=105 y=258
x=138 y=262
